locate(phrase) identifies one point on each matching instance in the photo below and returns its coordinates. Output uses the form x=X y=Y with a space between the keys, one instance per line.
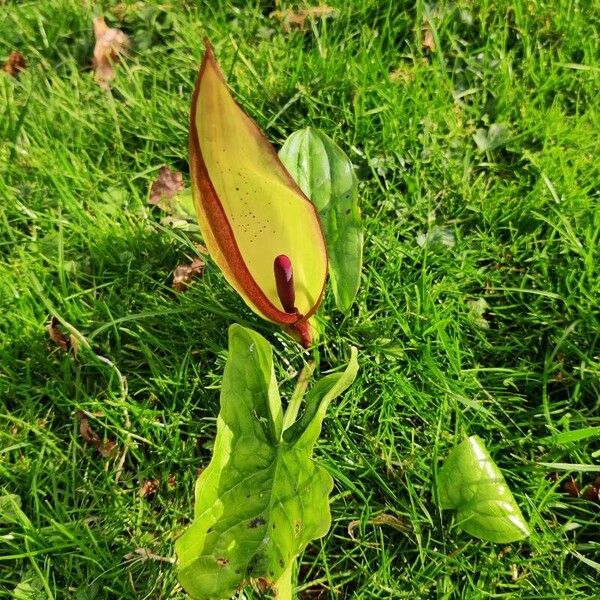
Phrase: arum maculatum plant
x=276 y=225
x=262 y=498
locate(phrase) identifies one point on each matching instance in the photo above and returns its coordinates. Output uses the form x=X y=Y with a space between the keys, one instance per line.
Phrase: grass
x=490 y=325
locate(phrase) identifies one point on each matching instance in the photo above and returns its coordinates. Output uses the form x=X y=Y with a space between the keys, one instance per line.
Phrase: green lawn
x=478 y=313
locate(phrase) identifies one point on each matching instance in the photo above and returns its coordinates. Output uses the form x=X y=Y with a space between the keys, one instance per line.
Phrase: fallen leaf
x=315 y=592
x=428 y=39
x=592 y=491
x=165 y=186
x=514 y=572
x=477 y=312
x=60 y=338
x=571 y=487
x=184 y=274
x=149 y=487
x=57 y=336
x=297 y=18
x=106 y=448
x=15 y=63
x=168 y=194
x=111 y=44
x=382 y=519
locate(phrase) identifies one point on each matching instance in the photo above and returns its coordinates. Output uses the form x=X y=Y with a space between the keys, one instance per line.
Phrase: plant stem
x=295 y=402
x=283 y=586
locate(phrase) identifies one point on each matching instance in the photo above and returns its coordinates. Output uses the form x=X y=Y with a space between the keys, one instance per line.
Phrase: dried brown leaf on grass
x=314 y=592
x=590 y=492
x=261 y=584
x=15 y=63
x=105 y=447
x=165 y=186
x=171 y=482
x=149 y=487
x=185 y=274
x=111 y=44
x=297 y=18
x=60 y=338
x=428 y=39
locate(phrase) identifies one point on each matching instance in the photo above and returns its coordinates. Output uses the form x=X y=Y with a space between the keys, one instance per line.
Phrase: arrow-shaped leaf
x=471 y=483
x=262 y=499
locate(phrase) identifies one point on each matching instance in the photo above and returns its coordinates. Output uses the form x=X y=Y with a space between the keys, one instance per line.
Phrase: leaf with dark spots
x=252 y=457
x=250 y=210
x=106 y=447
x=15 y=63
x=185 y=274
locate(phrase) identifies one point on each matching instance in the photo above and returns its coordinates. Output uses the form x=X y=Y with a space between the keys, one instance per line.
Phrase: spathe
x=251 y=212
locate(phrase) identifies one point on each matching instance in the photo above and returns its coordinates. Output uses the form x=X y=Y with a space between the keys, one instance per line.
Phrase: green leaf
x=569 y=437
x=325 y=174
x=470 y=482
x=11 y=512
x=489 y=139
x=578 y=468
x=30 y=587
x=262 y=499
